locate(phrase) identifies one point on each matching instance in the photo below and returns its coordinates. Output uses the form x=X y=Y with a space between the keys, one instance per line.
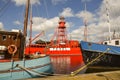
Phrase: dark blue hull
x=108 y=58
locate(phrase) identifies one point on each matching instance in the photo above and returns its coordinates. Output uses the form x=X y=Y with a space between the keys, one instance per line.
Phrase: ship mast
x=25 y=24
x=26 y=18
x=85 y=23
x=30 y=39
x=108 y=19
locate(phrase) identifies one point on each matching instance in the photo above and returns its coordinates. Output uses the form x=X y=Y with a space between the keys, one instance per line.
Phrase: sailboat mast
x=26 y=18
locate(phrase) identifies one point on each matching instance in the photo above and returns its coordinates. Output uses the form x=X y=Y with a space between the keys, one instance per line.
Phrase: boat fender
x=12 y=49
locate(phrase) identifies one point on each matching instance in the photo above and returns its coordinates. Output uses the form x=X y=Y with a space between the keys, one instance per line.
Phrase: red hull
x=64 y=60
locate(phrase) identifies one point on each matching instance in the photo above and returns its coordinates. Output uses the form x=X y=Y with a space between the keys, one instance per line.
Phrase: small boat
x=13 y=62
x=66 y=55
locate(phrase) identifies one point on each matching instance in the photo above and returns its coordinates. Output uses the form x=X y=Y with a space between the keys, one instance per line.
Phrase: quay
x=110 y=75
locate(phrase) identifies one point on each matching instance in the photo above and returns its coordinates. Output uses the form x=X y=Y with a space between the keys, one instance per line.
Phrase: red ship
x=66 y=55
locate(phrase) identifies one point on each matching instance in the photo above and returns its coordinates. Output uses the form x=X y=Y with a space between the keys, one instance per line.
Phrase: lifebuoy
x=12 y=49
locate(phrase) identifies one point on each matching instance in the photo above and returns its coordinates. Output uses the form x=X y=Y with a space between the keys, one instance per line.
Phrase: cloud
x=114 y=16
x=45 y=24
x=112 y=6
x=48 y=25
x=98 y=28
x=86 y=15
x=55 y=2
x=17 y=22
x=23 y=2
x=94 y=32
x=97 y=22
x=1 y=26
x=67 y=12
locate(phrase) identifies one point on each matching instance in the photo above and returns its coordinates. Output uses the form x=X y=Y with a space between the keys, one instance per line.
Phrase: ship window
x=4 y=37
x=14 y=37
x=116 y=42
x=105 y=43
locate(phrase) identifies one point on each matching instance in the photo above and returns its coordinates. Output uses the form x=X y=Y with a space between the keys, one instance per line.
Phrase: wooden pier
x=111 y=75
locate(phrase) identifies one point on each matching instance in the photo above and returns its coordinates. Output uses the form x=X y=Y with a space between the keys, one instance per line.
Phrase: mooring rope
x=78 y=70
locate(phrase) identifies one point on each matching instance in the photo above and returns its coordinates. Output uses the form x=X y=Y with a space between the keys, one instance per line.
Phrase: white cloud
x=47 y=25
x=67 y=12
x=114 y=16
x=86 y=15
x=55 y=2
x=23 y=2
x=1 y=26
x=17 y=22
x=44 y=24
x=98 y=28
x=94 y=32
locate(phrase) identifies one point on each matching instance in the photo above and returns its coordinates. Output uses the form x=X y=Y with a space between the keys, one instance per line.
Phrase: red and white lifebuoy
x=12 y=49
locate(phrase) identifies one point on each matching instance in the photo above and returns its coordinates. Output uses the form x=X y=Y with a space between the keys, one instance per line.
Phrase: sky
x=46 y=13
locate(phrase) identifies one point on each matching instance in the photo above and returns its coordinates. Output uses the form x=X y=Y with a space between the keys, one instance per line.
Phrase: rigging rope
x=47 y=17
x=46 y=8
x=4 y=7
x=78 y=70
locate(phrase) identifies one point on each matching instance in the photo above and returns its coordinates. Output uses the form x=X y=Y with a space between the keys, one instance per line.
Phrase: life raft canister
x=12 y=49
